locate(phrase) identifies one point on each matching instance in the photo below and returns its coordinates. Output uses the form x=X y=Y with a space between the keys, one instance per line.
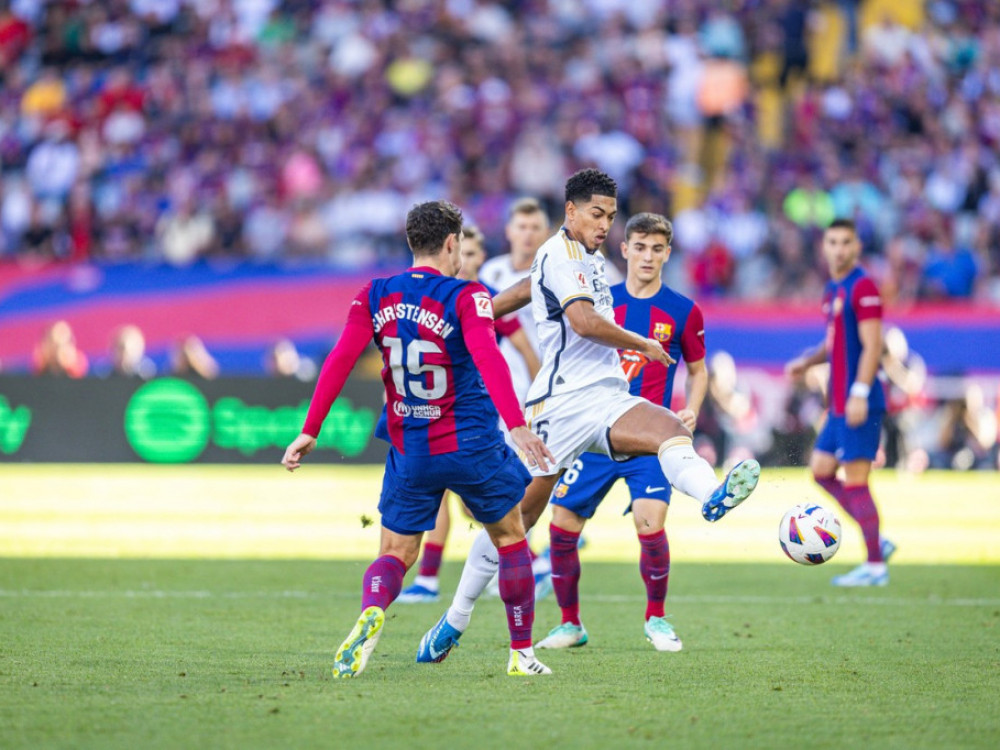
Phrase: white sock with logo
x=480 y=567
x=685 y=469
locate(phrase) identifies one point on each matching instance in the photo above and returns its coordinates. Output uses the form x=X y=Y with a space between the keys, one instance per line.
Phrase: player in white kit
x=580 y=399
x=527 y=228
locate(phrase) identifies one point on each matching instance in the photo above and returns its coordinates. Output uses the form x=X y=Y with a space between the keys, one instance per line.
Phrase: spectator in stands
x=278 y=118
x=190 y=357
x=967 y=435
x=57 y=354
x=284 y=361
x=128 y=354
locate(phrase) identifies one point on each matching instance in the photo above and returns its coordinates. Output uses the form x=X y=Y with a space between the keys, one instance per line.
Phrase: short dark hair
x=472 y=232
x=587 y=183
x=649 y=223
x=526 y=206
x=429 y=224
x=843 y=224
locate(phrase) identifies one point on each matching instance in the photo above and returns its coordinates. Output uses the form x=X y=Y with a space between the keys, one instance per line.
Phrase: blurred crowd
x=175 y=130
x=943 y=422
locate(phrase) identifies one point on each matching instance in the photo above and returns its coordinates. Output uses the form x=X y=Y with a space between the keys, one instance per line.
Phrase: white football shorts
x=579 y=421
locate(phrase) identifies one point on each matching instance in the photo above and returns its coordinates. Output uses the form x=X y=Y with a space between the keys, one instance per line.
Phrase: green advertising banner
x=170 y=420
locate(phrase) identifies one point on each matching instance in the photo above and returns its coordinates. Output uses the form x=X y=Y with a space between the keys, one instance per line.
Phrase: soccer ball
x=809 y=534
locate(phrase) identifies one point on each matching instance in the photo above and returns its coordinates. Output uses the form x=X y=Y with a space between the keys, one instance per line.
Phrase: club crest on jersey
x=662 y=331
x=838 y=305
x=484 y=304
x=561 y=490
x=581 y=279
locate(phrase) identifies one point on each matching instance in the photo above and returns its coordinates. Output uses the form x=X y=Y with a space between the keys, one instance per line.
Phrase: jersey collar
x=424 y=269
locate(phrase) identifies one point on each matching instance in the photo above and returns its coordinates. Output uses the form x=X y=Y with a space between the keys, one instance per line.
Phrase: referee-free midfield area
x=195 y=653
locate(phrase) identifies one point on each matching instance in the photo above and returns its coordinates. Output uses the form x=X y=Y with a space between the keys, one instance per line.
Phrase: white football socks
x=481 y=565
x=685 y=469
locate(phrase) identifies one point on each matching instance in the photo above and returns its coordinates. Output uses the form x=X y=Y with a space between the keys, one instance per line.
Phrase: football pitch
x=200 y=606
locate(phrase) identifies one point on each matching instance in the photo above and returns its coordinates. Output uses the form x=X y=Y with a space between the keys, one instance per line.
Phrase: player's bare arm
x=870 y=333
x=520 y=341
x=513 y=298
x=798 y=366
x=695 y=389
x=587 y=322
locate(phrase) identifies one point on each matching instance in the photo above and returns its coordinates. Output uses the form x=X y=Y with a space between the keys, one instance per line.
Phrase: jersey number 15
x=415 y=384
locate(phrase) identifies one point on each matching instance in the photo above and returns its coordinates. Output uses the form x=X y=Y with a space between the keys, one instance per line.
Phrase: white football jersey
x=564 y=273
x=499 y=274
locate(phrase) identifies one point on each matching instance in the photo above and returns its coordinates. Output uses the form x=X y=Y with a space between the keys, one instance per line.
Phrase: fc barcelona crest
x=662 y=331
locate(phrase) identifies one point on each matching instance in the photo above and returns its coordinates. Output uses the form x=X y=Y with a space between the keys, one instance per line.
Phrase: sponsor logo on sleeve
x=484 y=304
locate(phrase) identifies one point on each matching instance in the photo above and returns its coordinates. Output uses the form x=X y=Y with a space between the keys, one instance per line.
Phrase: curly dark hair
x=429 y=224
x=649 y=223
x=586 y=183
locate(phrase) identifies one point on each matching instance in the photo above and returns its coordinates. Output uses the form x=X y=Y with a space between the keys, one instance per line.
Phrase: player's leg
x=496 y=503
x=648 y=429
x=650 y=515
x=650 y=501
x=517 y=589
x=859 y=446
x=425 y=586
x=381 y=585
x=564 y=549
x=576 y=497
x=483 y=562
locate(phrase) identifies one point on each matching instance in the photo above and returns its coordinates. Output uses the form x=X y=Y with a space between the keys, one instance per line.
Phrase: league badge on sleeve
x=484 y=304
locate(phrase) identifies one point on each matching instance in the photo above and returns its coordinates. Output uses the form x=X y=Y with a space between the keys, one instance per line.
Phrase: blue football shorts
x=584 y=485
x=850 y=443
x=490 y=482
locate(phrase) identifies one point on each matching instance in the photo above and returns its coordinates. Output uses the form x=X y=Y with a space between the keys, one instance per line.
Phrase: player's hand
x=297 y=450
x=856 y=411
x=532 y=449
x=796 y=368
x=688 y=417
x=655 y=352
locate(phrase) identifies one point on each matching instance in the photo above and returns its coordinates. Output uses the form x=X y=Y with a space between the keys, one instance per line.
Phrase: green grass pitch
x=202 y=643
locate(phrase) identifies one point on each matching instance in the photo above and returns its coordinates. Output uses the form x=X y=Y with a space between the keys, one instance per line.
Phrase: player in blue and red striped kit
x=445 y=381
x=850 y=437
x=644 y=305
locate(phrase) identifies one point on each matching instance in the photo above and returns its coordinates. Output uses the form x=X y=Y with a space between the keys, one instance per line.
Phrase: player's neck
x=440 y=263
x=643 y=289
x=838 y=277
x=520 y=262
x=569 y=233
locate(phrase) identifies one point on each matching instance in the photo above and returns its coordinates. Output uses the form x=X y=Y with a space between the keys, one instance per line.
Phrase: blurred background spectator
x=128 y=354
x=181 y=136
x=176 y=130
x=191 y=358
x=57 y=354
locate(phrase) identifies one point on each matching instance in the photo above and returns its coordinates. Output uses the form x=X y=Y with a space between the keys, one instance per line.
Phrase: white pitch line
x=606 y=598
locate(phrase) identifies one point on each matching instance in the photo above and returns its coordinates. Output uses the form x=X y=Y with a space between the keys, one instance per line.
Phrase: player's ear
x=570 y=209
x=625 y=250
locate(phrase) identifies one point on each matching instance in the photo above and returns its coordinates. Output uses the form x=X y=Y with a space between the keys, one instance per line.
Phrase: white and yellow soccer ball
x=809 y=534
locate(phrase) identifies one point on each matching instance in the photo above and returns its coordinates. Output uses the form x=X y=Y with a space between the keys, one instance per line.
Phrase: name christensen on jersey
x=564 y=273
